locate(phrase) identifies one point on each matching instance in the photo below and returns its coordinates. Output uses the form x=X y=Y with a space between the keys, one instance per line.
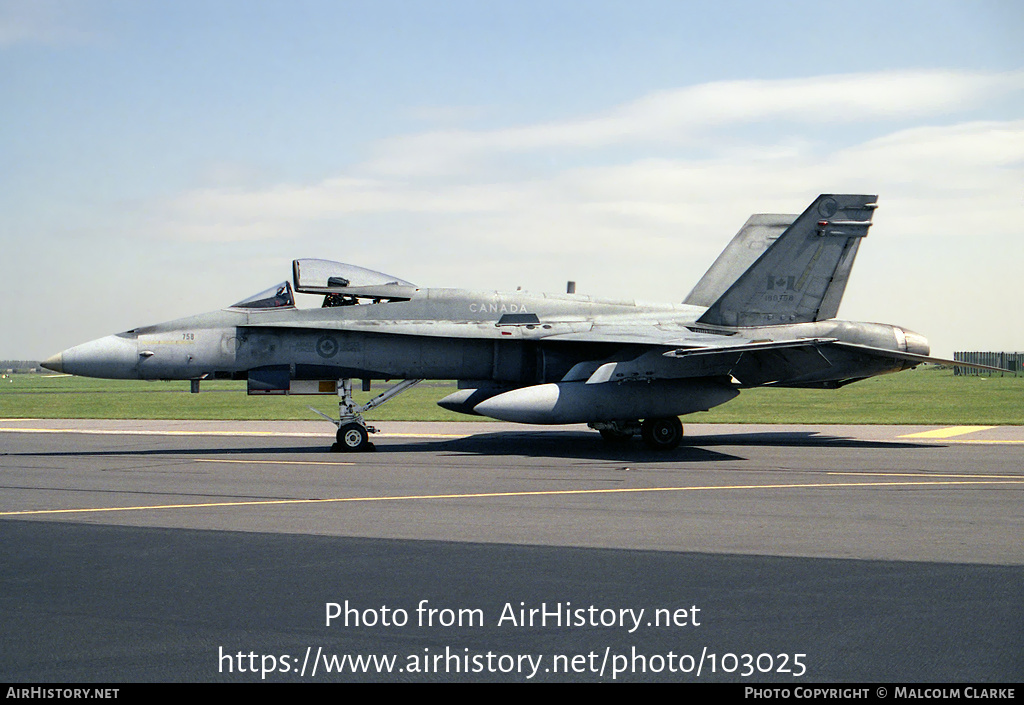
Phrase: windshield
x=279 y=296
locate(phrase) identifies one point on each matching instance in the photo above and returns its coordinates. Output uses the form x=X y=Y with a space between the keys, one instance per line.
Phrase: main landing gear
x=663 y=433
x=353 y=432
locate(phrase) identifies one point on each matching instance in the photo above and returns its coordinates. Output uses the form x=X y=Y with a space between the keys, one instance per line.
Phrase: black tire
x=352 y=437
x=663 y=433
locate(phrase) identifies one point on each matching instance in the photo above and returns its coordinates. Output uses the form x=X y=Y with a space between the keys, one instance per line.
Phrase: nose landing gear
x=353 y=432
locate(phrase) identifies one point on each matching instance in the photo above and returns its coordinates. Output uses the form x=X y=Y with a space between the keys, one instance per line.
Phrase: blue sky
x=166 y=158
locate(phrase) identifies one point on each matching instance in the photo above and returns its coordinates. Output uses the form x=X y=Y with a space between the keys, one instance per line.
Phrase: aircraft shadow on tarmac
x=585 y=445
x=533 y=444
x=497 y=445
x=556 y=444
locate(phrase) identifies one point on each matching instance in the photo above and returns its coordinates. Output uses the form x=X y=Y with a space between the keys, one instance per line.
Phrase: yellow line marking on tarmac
x=947 y=432
x=980 y=442
x=269 y=462
x=525 y=493
x=385 y=434
x=133 y=432
x=920 y=474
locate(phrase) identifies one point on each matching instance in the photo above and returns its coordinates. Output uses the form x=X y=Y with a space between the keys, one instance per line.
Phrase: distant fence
x=1013 y=361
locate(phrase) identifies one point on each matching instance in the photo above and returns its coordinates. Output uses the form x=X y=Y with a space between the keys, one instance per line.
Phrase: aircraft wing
x=751 y=363
x=635 y=334
x=748 y=347
x=803 y=362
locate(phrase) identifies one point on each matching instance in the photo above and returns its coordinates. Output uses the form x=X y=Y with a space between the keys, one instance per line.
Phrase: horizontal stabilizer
x=912 y=357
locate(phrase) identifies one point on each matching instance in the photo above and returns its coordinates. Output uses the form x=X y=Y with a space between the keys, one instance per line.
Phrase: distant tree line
x=19 y=365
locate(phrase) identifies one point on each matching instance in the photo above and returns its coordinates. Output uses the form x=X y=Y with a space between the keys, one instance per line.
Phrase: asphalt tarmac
x=243 y=551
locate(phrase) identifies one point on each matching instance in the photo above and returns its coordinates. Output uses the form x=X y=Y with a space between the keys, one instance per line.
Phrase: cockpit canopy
x=346 y=284
x=342 y=285
x=321 y=276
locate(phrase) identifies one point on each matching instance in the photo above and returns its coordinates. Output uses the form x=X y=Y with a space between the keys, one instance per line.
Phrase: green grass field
x=925 y=396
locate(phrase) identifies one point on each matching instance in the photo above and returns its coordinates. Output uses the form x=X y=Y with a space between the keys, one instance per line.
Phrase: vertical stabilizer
x=802 y=275
x=756 y=236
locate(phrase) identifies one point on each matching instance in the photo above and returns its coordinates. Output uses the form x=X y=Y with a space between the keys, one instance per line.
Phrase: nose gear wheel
x=353 y=432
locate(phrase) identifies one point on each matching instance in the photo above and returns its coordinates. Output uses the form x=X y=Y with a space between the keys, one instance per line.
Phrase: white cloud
x=647 y=197
x=686 y=115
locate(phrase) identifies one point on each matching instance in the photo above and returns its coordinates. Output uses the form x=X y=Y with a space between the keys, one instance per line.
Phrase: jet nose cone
x=54 y=362
x=113 y=357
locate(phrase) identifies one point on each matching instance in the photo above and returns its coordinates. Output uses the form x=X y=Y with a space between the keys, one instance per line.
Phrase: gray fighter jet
x=763 y=315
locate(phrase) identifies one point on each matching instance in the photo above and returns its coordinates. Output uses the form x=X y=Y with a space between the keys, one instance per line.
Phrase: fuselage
x=513 y=339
